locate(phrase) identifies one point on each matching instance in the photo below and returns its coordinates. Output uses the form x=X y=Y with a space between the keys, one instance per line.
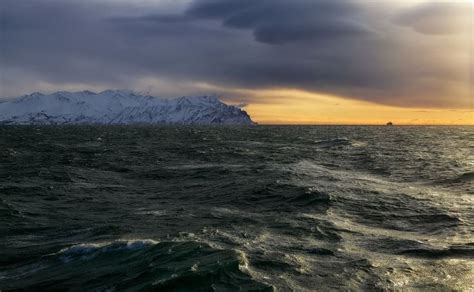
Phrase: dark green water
x=236 y=208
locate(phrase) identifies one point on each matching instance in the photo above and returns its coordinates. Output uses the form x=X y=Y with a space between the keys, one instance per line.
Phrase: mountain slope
x=118 y=107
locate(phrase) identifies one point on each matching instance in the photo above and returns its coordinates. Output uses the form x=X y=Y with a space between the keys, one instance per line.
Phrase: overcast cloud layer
x=416 y=56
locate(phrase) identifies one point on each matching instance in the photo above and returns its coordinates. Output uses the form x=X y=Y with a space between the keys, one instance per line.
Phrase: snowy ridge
x=118 y=107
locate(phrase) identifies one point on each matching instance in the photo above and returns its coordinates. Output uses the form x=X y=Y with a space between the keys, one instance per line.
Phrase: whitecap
x=153 y=212
x=88 y=250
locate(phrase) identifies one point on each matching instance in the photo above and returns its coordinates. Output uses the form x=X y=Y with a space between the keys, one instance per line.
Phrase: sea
x=236 y=208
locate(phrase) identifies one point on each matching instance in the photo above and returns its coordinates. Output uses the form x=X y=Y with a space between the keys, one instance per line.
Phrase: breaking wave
x=136 y=265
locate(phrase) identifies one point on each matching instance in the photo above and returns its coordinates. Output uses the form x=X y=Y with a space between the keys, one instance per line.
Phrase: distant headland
x=118 y=107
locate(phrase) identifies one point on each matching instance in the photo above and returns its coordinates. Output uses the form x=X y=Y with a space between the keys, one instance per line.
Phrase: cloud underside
x=346 y=48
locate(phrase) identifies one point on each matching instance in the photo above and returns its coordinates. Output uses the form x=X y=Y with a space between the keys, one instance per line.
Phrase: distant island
x=119 y=107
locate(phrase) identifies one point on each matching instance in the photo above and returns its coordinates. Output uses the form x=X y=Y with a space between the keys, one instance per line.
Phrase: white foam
x=85 y=249
x=153 y=212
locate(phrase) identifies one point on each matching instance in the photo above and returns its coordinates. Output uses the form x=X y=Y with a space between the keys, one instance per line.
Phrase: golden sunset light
x=297 y=107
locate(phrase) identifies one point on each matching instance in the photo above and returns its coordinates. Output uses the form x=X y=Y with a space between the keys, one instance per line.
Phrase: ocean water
x=264 y=208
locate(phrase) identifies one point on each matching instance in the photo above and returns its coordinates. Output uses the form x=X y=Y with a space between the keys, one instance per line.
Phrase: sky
x=288 y=62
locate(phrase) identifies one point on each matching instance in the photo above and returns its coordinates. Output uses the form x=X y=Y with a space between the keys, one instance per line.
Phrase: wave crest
x=136 y=265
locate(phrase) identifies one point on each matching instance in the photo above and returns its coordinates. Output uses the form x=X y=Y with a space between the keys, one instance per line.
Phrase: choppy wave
x=136 y=265
x=461 y=251
x=333 y=142
x=92 y=249
x=260 y=208
x=462 y=178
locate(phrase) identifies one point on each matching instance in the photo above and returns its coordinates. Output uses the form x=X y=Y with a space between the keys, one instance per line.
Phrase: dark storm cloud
x=279 y=21
x=319 y=46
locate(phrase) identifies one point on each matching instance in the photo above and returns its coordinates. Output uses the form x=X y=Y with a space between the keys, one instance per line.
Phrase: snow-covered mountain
x=118 y=107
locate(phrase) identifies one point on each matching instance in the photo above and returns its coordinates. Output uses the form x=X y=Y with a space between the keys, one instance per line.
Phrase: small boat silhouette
x=389 y=124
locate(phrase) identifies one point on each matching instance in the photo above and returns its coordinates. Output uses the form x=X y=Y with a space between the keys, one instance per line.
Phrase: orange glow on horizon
x=288 y=106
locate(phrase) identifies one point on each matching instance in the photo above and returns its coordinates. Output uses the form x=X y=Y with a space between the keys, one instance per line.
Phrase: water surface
x=226 y=208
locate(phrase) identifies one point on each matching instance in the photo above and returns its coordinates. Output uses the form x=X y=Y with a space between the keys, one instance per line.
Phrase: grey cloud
x=439 y=18
x=319 y=46
x=282 y=33
x=278 y=21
